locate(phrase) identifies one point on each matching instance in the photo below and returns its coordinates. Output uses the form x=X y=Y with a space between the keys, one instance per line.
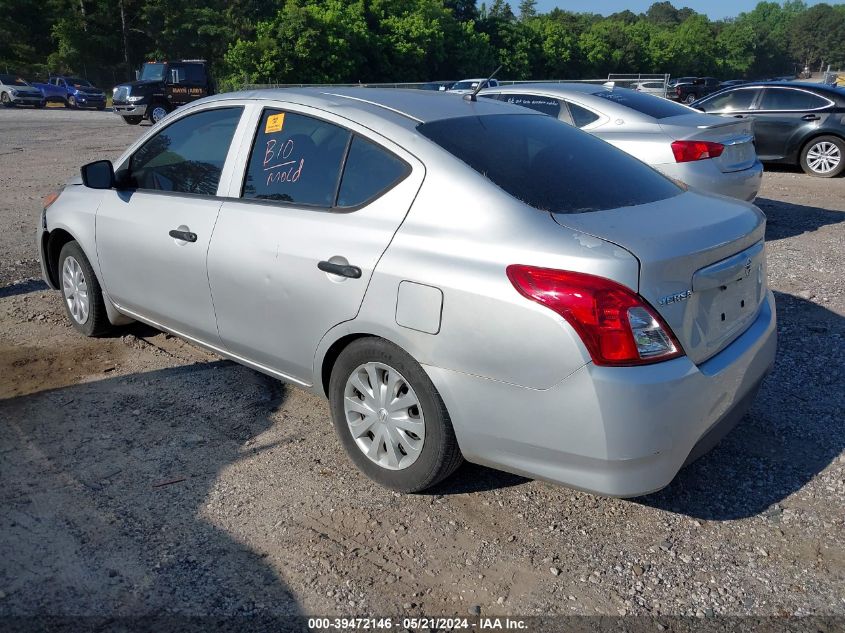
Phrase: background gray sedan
x=706 y=152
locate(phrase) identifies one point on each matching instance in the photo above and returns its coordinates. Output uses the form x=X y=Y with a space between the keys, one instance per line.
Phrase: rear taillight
x=617 y=325
x=687 y=151
x=678 y=90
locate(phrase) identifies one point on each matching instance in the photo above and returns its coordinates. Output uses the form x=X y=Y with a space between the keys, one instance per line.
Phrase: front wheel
x=132 y=120
x=824 y=157
x=4 y=99
x=157 y=112
x=71 y=103
x=83 y=299
x=390 y=418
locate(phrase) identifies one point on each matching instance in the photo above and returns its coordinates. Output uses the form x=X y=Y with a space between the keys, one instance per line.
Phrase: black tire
x=70 y=102
x=133 y=120
x=155 y=108
x=101 y=108
x=836 y=145
x=440 y=455
x=5 y=100
x=40 y=105
x=690 y=98
x=97 y=322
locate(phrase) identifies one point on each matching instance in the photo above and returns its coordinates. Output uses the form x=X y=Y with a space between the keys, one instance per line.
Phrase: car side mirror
x=98 y=175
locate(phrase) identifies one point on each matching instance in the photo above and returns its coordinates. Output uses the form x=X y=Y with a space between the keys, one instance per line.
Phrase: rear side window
x=188 y=155
x=581 y=117
x=546 y=105
x=295 y=159
x=369 y=172
x=786 y=99
x=732 y=101
x=548 y=164
x=650 y=105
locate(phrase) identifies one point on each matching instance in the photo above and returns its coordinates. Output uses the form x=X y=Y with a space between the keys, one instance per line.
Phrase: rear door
x=784 y=115
x=295 y=245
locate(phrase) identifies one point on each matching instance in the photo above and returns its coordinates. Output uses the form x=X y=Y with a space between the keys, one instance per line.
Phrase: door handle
x=810 y=117
x=185 y=236
x=353 y=272
x=739 y=116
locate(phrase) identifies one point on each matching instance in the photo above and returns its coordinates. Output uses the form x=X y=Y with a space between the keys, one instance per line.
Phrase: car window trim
x=810 y=92
x=310 y=206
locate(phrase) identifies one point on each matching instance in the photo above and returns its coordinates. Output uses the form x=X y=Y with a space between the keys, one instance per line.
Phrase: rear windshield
x=650 y=105
x=549 y=165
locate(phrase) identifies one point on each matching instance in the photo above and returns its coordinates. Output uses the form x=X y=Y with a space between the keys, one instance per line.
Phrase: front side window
x=786 y=99
x=188 y=155
x=739 y=100
x=295 y=158
x=546 y=105
x=153 y=72
x=550 y=166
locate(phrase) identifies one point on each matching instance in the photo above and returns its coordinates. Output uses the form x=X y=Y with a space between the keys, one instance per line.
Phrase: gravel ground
x=142 y=475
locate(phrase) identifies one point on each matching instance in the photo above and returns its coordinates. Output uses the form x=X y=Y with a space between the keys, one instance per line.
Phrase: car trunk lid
x=702 y=263
x=735 y=134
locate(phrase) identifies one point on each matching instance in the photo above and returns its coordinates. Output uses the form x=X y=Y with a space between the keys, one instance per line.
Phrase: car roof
x=416 y=106
x=811 y=87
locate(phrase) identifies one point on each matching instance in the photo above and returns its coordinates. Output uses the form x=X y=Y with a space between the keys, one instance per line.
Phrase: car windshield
x=11 y=80
x=152 y=71
x=78 y=81
x=548 y=164
x=650 y=105
x=465 y=85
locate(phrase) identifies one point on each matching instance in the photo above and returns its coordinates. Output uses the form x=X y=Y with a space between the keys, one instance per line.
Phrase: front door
x=292 y=258
x=153 y=232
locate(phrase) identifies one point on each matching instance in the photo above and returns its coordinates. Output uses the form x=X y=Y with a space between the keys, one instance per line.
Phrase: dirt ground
x=141 y=475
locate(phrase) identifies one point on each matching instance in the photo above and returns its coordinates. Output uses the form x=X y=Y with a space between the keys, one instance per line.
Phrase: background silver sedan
x=461 y=279
x=706 y=152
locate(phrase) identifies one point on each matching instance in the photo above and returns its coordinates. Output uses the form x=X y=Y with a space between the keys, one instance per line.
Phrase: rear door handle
x=810 y=117
x=739 y=116
x=344 y=270
x=185 y=236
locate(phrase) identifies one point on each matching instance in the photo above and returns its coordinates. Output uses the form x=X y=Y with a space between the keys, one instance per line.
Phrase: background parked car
x=160 y=88
x=701 y=151
x=798 y=124
x=73 y=92
x=15 y=90
x=651 y=87
x=468 y=85
x=681 y=80
x=698 y=88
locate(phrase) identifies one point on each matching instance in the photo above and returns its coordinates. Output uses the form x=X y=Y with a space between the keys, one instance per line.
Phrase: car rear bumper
x=618 y=431
x=705 y=175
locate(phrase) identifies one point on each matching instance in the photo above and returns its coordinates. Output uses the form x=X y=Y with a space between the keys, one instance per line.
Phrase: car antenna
x=481 y=84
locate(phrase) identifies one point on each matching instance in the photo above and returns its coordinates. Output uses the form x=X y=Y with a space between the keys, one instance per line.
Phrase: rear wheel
x=824 y=157
x=689 y=98
x=83 y=299
x=40 y=104
x=390 y=418
x=133 y=120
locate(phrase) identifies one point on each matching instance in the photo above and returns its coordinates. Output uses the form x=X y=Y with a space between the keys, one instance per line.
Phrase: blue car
x=73 y=92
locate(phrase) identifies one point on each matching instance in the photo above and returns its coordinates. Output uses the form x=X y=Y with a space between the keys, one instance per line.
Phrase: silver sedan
x=705 y=152
x=461 y=279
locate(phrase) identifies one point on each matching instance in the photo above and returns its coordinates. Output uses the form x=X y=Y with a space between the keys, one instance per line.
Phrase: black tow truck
x=160 y=87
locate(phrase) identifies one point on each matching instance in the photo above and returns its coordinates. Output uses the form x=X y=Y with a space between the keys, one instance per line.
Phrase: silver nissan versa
x=462 y=279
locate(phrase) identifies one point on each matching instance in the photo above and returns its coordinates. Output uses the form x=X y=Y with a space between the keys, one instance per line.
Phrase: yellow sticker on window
x=275 y=123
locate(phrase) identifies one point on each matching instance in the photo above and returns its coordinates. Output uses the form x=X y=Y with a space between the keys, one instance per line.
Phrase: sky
x=714 y=9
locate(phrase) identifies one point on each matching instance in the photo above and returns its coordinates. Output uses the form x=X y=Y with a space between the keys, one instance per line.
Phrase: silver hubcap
x=384 y=416
x=75 y=290
x=824 y=157
x=158 y=114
